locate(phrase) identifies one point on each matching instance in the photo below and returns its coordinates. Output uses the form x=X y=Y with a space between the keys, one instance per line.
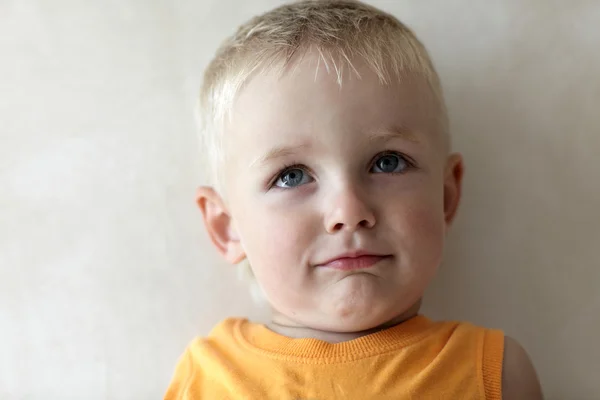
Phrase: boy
x=327 y=141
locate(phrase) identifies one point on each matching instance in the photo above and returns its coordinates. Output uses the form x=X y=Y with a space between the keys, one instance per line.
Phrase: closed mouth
x=357 y=262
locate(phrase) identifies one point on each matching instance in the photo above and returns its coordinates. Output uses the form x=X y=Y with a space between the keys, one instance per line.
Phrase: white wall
x=105 y=271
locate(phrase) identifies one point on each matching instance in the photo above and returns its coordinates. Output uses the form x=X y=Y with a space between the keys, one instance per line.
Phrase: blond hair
x=339 y=30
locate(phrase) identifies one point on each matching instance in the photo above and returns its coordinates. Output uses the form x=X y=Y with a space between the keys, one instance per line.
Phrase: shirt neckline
x=261 y=339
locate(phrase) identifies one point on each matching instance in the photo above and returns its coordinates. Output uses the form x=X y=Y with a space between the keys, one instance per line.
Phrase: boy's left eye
x=390 y=163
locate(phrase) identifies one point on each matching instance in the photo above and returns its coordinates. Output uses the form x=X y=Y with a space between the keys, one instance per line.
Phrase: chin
x=365 y=315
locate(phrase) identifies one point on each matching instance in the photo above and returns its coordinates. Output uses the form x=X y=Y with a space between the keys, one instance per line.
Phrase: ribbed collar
x=259 y=338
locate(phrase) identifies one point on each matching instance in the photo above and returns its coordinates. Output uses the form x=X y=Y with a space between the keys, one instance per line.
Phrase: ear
x=219 y=225
x=453 y=177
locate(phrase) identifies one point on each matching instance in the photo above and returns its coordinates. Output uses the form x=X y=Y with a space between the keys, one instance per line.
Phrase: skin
x=369 y=170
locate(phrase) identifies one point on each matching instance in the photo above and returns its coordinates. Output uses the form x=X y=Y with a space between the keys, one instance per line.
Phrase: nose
x=349 y=211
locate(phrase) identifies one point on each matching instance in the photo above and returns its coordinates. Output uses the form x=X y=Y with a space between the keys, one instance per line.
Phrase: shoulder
x=202 y=354
x=519 y=379
x=219 y=336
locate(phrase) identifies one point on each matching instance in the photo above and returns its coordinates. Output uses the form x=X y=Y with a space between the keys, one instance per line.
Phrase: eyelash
x=296 y=165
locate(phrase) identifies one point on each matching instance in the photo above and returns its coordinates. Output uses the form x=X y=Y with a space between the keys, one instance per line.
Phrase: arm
x=519 y=379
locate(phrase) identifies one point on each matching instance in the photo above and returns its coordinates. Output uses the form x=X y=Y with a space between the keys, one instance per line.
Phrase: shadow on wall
x=521 y=256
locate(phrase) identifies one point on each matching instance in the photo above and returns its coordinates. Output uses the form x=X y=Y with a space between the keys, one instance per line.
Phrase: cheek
x=427 y=237
x=427 y=227
x=421 y=227
x=274 y=241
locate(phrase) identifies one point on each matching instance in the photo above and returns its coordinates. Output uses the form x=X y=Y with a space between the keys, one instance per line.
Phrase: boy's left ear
x=453 y=176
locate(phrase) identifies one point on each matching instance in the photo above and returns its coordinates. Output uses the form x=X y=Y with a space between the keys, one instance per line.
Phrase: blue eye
x=390 y=163
x=291 y=178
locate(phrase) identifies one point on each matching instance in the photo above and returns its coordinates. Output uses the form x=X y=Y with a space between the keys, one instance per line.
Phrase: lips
x=353 y=261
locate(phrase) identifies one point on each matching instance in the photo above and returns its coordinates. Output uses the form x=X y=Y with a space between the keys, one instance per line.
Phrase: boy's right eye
x=292 y=177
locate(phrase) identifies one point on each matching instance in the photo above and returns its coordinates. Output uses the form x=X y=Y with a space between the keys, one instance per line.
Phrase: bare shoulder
x=519 y=379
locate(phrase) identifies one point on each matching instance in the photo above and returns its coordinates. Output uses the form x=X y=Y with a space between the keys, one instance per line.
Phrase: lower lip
x=352 y=263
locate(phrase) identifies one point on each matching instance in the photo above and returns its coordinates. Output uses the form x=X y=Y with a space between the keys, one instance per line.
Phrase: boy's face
x=315 y=172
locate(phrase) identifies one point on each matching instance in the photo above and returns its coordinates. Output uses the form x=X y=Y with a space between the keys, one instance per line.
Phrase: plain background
x=105 y=270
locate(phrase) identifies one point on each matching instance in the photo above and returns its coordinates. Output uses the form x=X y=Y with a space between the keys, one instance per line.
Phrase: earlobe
x=219 y=224
x=453 y=177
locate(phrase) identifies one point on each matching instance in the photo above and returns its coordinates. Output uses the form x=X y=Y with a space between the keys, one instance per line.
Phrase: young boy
x=327 y=140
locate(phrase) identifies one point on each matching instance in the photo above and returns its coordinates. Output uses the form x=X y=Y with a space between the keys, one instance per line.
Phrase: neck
x=283 y=326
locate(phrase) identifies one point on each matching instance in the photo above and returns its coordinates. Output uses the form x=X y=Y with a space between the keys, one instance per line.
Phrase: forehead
x=312 y=97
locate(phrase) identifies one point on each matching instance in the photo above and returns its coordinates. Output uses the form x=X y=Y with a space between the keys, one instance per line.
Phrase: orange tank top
x=418 y=359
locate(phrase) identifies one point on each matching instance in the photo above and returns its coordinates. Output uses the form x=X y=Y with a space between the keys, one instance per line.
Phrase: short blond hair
x=339 y=30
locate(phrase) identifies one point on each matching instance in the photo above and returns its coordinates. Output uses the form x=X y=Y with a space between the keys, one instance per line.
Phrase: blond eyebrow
x=393 y=132
x=277 y=152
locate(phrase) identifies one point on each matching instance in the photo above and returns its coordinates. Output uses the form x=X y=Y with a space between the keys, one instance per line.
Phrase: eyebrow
x=394 y=132
x=277 y=152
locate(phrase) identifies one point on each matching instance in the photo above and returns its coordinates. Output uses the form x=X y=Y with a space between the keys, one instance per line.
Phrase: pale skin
x=314 y=171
